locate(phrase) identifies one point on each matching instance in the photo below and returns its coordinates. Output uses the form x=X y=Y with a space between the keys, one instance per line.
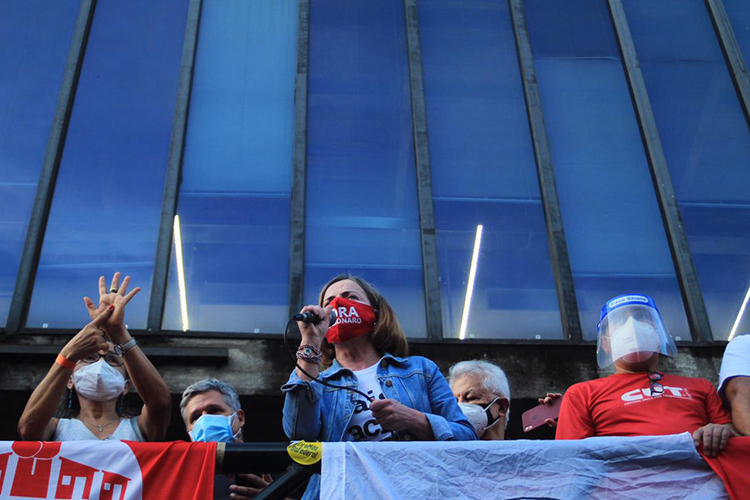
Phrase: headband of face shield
x=631 y=329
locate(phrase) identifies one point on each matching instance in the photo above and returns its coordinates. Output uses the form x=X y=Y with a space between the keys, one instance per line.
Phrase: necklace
x=100 y=427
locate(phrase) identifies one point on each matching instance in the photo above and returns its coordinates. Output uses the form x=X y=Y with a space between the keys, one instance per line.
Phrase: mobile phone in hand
x=537 y=416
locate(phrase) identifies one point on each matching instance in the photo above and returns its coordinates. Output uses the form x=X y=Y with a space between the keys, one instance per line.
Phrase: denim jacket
x=314 y=412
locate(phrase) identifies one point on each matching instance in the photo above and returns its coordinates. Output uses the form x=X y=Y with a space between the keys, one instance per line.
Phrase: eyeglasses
x=653 y=383
x=110 y=358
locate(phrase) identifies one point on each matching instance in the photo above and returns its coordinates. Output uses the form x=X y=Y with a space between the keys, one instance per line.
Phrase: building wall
x=498 y=169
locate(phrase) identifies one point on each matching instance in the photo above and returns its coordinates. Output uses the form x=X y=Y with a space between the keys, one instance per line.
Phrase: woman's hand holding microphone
x=312 y=332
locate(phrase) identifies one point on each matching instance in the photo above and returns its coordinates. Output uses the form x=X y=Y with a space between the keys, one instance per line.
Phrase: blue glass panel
x=235 y=191
x=614 y=230
x=483 y=172
x=107 y=203
x=362 y=213
x=707 y=144
x=30 y=75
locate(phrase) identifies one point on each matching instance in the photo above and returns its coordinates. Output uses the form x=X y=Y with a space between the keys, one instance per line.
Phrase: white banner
x=639 y=468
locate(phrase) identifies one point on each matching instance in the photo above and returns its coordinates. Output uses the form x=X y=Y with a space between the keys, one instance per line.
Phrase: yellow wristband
x=65 y=362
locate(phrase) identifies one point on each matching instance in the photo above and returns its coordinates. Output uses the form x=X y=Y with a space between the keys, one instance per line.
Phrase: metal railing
x=266 y=457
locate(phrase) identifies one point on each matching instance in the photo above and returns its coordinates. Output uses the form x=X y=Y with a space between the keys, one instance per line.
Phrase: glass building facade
x=498 y=169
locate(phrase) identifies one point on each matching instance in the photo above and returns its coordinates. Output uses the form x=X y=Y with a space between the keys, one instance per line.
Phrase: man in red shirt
x=638 y=400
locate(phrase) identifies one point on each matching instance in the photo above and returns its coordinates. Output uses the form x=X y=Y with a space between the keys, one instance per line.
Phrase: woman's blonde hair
x=388 y=337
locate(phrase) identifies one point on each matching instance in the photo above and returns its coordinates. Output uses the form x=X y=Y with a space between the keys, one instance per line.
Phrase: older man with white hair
x=483 y=394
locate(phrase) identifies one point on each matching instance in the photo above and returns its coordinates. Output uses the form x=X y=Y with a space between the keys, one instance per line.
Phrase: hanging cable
x=293 y=357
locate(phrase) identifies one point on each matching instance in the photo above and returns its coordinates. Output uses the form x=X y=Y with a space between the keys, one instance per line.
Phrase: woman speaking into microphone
x=364 y=350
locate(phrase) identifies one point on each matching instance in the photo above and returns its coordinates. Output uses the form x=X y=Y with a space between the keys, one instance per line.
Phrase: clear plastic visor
x=635 y=331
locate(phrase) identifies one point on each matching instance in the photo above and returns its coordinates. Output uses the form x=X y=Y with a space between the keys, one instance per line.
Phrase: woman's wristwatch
x=120 y=350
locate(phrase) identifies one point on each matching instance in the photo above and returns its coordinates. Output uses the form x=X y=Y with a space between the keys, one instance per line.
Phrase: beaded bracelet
x=309 y=353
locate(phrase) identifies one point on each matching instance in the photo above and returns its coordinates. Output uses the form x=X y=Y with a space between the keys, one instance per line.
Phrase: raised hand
x=90 y=340
x=116 y=296
x=314 y=333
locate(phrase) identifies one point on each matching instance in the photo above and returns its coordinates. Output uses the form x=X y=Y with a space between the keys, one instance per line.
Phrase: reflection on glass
x=483 y=173
x=34 y=41
x=740 y=316
x=107 y=203
x=180 y=273
x=470 y=284
x=362 y=213
x=706 y=142
x=616 y=239
x=236 y=176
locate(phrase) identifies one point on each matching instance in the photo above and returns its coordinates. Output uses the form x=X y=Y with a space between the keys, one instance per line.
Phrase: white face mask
x=480 y=417
x=634 y=337
x=99 y=381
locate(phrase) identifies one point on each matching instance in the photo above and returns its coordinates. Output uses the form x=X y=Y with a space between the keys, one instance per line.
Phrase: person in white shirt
x=734 y=382
x=98 y=366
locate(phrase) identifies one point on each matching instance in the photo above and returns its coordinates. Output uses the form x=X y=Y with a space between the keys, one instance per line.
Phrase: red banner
x=106 y=470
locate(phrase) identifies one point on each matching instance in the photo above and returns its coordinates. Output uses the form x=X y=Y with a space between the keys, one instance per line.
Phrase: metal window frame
x=299 y=164
x=46 y=187
x=559 y=257
x=430 y=269
x=687 y=277
x=174 y=168
x=732 y=53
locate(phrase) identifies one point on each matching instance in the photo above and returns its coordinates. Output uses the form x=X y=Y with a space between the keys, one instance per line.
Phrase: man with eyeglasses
x=734 y=381
x=483 y=394
x=639 y=400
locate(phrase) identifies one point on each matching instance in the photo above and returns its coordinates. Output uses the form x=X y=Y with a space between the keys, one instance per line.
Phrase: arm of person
x=157 y=402
x=37 y=422
x=157 y=407
x=444 y=422
x=713 y=437
x=738 y=395
x=575 y=420
x=303 y=417
x=447 y=421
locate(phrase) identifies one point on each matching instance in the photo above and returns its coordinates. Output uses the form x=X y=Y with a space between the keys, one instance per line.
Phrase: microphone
x=309 y=317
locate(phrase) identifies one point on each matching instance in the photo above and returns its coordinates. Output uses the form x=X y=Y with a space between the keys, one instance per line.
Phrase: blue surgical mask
x=215 y=428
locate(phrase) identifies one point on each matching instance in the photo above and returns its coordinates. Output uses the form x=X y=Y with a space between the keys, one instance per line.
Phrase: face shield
x=631 y=328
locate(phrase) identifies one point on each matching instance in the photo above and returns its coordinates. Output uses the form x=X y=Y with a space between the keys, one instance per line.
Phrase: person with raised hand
x=97 y=367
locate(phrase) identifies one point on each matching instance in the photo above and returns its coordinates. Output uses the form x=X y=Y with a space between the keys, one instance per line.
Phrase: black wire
x=293 y=357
